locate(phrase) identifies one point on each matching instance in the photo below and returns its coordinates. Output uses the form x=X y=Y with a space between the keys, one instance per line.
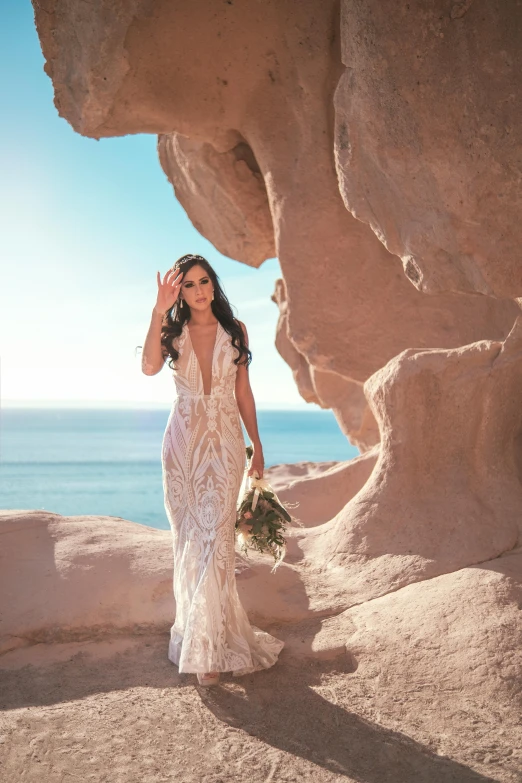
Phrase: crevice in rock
x=516 y=548
x=243 y=151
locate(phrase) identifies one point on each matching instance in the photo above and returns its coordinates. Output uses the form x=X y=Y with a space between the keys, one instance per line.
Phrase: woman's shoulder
x=242 y=325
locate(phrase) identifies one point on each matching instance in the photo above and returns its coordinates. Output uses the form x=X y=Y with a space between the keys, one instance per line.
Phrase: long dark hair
x=178 y=315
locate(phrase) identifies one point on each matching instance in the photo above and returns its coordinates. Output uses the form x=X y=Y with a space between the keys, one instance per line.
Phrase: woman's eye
x=188 y=285
x=204 y=281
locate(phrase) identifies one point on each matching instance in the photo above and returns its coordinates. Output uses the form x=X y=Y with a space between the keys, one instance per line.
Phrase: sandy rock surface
x=321 y=490
x=445 y=491
x=420 y=686
x=64 y=578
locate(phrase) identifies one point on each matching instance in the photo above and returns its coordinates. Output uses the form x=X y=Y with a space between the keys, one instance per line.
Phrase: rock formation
x=446 y=490
x=427 y=137
x=243 y=101
x=72 y=578
x=224 y=194
x=444 y=493
x=344 y=396
x=375 y=151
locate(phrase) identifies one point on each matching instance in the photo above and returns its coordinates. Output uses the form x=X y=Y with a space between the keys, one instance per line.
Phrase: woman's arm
x=247 y=409
x=152 y=355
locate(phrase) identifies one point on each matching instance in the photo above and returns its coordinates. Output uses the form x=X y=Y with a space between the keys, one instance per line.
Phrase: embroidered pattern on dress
x=203 y=460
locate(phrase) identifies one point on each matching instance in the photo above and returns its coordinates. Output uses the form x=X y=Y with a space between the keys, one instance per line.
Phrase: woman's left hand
x=258 y=462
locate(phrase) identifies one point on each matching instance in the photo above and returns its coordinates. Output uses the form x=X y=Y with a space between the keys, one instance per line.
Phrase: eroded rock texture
x=445 y=492
x=224 y=194
x=356 y=147
x=428 y=137
x=327 y=389
x=242 y=95
x=419 y=686
x=71 y=578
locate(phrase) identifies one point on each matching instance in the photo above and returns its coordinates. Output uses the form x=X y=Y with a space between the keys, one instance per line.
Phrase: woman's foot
x=208 y=678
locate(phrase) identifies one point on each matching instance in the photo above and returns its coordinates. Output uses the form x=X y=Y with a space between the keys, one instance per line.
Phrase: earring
x=212 y=294
x=181 y=301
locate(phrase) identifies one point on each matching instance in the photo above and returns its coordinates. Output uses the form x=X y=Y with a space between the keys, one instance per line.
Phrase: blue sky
x=84 y=226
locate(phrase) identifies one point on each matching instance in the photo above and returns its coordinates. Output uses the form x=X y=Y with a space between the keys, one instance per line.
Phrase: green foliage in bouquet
x=261 y=522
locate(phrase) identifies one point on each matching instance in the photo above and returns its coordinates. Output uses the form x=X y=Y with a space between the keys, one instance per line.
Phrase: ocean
x=108 y=462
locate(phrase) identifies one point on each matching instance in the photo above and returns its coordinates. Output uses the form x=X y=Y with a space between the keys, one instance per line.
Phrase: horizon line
x=133 y=405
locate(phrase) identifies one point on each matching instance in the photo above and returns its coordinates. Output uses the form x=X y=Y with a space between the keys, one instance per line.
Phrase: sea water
x=108 y=462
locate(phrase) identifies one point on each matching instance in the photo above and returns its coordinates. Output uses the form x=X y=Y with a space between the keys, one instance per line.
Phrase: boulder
x=82 y=577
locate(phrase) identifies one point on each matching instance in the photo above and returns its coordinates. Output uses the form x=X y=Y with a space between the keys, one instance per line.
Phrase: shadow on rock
x=281 y=708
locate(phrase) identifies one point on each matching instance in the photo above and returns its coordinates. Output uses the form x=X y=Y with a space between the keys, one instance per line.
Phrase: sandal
x=209 y=678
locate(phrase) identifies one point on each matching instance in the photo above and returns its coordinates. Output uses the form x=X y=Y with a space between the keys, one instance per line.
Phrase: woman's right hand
x=168 y=290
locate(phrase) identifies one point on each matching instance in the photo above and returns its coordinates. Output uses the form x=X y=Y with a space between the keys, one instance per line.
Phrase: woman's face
x=197 y=288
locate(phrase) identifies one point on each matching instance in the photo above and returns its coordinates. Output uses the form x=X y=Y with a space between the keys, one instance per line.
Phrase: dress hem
x=270 y=659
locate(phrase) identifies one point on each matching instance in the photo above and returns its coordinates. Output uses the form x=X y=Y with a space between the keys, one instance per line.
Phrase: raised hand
x=168 y=290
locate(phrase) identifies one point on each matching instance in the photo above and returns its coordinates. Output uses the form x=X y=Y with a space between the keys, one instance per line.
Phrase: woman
x=203 y=458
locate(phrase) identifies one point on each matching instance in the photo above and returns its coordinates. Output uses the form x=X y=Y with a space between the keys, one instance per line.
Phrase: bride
x=203 y=463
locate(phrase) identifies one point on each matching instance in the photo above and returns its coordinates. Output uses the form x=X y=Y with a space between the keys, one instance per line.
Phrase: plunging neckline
x=211 y=361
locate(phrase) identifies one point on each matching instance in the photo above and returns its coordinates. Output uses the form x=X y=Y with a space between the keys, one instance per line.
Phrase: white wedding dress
x=203 y=459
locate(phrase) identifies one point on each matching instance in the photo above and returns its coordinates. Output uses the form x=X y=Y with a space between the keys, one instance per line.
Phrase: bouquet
x=261 y=517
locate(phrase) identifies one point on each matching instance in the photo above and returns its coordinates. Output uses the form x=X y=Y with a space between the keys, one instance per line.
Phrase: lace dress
x=203 y=459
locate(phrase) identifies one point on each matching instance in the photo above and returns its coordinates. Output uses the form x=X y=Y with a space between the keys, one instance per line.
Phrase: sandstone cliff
x=375 y=150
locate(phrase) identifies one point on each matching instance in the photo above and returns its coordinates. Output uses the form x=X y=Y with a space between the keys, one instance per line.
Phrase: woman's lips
x=201 y=300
